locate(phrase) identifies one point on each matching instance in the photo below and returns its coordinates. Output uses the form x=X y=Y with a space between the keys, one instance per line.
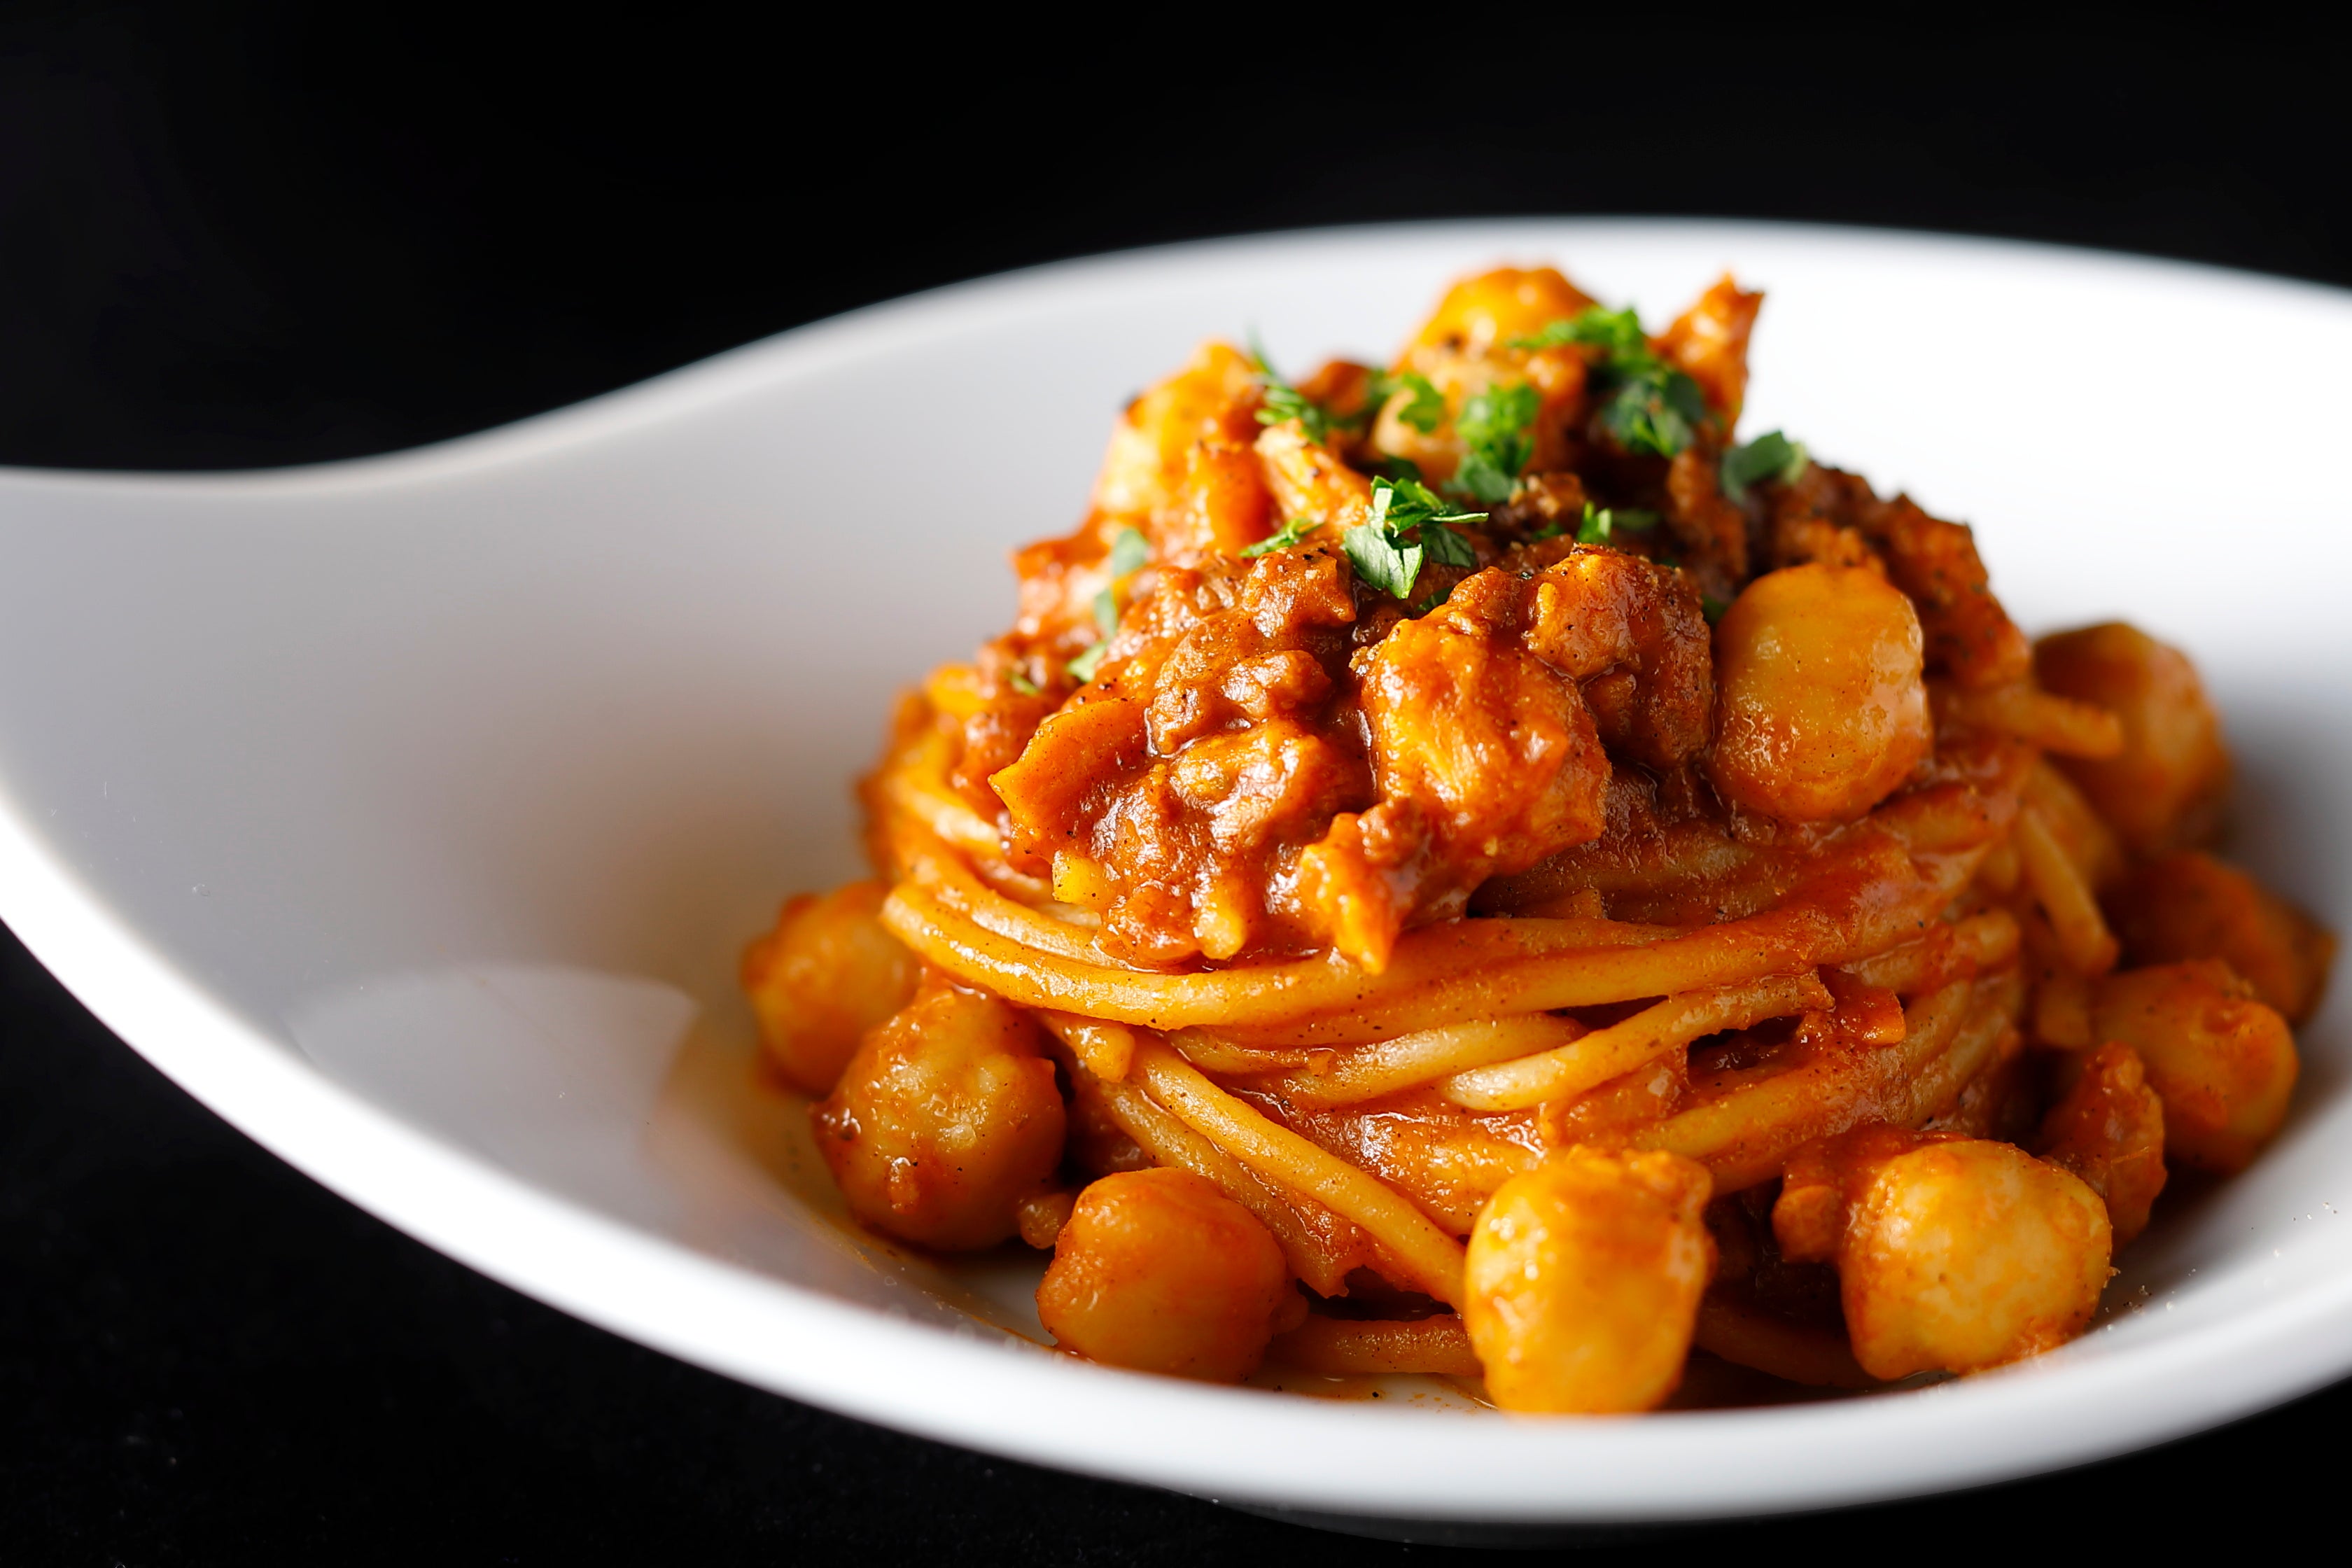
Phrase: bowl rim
x=970 y=1388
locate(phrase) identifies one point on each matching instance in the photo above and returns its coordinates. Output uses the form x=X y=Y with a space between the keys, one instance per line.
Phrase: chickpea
x=1160 y=1271
x=2223 y=1064
x=1584 y=1279
x=1952 y=1254
x=2163 y=790
x=2189 y=905
x=1820 y=708
x=946 y=1119
x=1488 y=310
x=828 y=972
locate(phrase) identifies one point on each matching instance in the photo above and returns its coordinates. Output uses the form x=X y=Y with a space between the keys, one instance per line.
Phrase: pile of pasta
x=1467 y=868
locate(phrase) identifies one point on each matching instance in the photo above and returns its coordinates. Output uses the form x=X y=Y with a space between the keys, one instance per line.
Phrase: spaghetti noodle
x=1504 y=876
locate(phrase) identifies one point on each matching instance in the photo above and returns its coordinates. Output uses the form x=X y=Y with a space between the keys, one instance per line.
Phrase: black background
x=238 y=237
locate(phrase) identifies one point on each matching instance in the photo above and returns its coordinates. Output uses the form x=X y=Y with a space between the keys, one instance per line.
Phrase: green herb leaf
x=1494 y=427
x=1550 y=335
x=1129 y=552
x=1425 y=411
x=1082 y=669
x=1380 y=559
x=1770 y=456
x=1400 y=468
x=1600 y=525
x=1279 y=400
x=1655 y=411
x=1408 y=526
x=1291 y=533
x=1402 y=504
x=1446 y=547
x=1711 y=607
x=1596 y=326
x=1480 y=476
x=1436 y=598
x=1284 y=402
x=1650 y=408
x=1021 y=683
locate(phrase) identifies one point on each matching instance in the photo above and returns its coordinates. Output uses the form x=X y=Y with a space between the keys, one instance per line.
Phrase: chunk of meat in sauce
x=1173 y=793
x=2108 y=1129
x=1486 y=719
x=1830 y=516
x=1969 y=637
x=1213 y=398
x=1709 y=342
x=1228 y=782
x=1486 y=760
x=1273 y=755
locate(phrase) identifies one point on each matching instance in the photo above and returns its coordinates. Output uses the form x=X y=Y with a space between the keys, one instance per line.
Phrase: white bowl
x=411 y=812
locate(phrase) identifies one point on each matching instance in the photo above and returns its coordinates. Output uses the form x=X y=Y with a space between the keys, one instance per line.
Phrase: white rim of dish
x=1236 y=1445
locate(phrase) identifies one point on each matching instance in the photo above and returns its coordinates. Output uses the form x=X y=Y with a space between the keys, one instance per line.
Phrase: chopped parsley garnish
x=1656 y=412
x=1381 y=561
x=1424 y=410
x=1292 y=532
x=1649 y=407
x=1496 y=444
x=1019 y=682
x=1283 y=401
x=1129 y=552
x=1770 y=456
x=1551 y=335
x=1614 y=333
x=1711 y=607
x=1409 y=524
x=1280 y=400
x=1446 y=547
x=1600 y=523
x=1401 y=504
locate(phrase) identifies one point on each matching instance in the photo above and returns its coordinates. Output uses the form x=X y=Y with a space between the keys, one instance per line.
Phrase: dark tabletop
x=238 y=238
